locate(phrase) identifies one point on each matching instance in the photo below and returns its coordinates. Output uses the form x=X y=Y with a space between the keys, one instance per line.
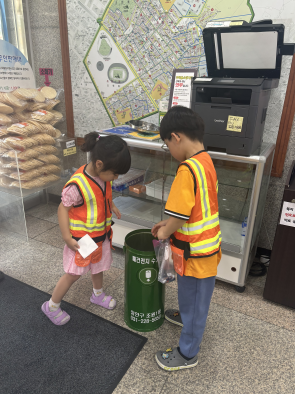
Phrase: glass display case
x=142 y=200
x=12 y=213
x=243 y=183
x=26 y=181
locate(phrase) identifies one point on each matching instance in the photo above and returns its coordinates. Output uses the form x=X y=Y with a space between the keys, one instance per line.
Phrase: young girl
x=86 y=208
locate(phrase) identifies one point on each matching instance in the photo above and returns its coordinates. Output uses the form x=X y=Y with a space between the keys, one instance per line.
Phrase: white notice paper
x=182 y=89
x=87 y=246
x=288 y=214
x=70 y=144
x=218 y=24
x=163 y=105
x=186 y=104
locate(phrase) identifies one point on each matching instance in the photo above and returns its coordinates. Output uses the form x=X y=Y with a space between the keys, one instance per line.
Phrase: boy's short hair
x=182 y=120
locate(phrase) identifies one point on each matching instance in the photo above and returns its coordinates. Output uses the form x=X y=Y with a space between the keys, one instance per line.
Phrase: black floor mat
x=86 y=355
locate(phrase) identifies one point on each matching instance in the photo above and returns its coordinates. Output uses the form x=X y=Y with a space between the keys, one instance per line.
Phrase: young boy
x=194 y=229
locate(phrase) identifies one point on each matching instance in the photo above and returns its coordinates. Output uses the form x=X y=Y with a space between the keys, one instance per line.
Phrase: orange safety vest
x=200 y=236
x=94 y=215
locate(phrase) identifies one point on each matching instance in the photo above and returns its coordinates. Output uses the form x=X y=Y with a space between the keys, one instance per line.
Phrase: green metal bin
x=144 y=294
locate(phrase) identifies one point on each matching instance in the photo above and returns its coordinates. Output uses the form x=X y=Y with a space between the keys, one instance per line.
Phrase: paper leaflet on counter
x=127 y=131
x=123 y=131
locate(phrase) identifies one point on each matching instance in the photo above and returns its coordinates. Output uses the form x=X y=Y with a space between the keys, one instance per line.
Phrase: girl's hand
x=116 y=211
x=157 y=227
x=72 y=244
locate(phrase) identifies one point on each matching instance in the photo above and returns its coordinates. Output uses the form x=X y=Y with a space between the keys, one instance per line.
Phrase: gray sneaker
x=173 y=316
x=171 y=360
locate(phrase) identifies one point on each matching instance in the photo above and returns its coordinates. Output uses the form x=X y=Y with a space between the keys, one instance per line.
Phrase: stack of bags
x=27 y=138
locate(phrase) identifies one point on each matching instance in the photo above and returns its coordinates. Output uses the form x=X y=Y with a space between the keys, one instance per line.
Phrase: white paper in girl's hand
x=87 y=246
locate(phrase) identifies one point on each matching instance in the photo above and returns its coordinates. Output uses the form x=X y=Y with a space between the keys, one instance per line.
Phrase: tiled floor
x=248 y=345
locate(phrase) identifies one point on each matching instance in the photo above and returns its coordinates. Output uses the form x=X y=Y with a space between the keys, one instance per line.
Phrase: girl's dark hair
x=111 y=150
x=183 y=120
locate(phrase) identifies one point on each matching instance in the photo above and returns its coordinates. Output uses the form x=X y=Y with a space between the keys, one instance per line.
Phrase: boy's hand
x=116 y=211
x=162 y=233
x=164 y=229
x=157 y=226
x=72 y=244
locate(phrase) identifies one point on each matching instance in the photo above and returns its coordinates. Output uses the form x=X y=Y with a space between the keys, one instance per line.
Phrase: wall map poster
x=123 y=52
x=137 y=46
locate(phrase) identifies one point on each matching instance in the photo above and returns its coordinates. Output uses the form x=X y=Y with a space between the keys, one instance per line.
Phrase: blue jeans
x=194 y=297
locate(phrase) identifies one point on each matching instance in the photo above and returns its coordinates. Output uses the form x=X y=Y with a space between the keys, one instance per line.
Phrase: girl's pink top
x=70 y=196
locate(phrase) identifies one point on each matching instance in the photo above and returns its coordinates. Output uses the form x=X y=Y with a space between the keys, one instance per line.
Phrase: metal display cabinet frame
x=235 y=265
x=251 y=174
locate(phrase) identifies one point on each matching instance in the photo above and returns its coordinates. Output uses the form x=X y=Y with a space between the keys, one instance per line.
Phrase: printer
x=244 y=64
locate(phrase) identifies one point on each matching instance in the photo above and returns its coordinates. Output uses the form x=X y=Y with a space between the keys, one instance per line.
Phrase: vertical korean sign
x=182 y=89
x=15 y=70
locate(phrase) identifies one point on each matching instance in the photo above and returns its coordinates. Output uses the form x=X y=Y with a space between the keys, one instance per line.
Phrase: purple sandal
x=53 y=316
x=102 y=300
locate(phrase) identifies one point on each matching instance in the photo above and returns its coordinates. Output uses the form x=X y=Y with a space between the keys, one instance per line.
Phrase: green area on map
x=125 y=6
x=105 y=48
x=118 y=74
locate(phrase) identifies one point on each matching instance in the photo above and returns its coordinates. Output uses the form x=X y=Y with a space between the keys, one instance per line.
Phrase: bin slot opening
x=143 y=242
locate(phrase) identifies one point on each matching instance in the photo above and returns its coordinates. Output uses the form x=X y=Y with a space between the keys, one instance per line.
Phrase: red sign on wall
x=46 y=72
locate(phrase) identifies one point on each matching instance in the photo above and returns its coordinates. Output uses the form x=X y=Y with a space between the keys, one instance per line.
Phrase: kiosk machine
x=244 y=64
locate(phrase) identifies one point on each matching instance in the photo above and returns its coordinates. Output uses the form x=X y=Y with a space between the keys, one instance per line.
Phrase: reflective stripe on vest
x=204 y=235
x=206 y=246
x=201 y=226
x=91 y=224
x=202 y=181
x=79 y=225
x=91 y=201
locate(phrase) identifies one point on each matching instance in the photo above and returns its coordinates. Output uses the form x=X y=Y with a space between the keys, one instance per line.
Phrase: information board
x=15 y=70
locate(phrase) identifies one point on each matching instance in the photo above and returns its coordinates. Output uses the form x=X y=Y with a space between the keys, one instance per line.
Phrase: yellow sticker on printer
x=234 y=123
x=236 y=23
